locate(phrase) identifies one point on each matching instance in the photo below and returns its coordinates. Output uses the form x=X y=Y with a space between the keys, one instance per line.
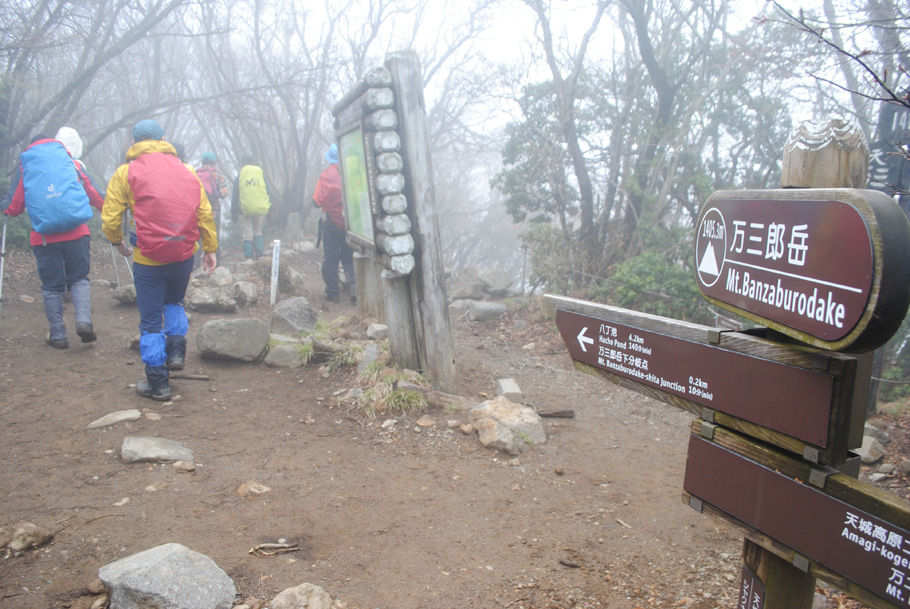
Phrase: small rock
x=887 y=468
x=453 y=423
x=559 y=471
x=100 y=602
x=904 y=467
x=26 y=298
x=388 y=423
x=184 y=466
x=252 y=487
x=515 y=462
x=871 y=450
x=378 y=331
x=467 y=429
x=426 y=421
x=145 y=448
x=27 y=535
x=877 y=477
x=528 y=347
x=116 y=417
x=509 y=389
x=125 y=294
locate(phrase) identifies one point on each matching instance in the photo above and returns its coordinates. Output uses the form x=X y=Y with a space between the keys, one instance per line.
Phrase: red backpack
x=207 y=176
x=167 y=197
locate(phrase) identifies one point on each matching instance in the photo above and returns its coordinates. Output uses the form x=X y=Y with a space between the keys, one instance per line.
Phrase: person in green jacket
x=250 y=203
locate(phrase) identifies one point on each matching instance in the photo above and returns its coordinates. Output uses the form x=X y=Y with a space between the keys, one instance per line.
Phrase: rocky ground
x=381 y=514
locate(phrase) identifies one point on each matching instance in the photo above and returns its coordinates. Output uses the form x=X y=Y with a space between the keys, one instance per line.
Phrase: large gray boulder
x=208 y=299
x=285 y=355
x=170 y=576
x=236 y=339
x=495 y=282
x=466 y=285
x=294 y=316
x=482 y=310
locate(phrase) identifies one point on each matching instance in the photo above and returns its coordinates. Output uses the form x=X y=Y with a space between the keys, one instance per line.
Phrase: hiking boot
x=86 y=332
x=332 y=298
x=155 y=385
x=176 y=352
x=57 y=343
x=161 y=394
x=175 y=361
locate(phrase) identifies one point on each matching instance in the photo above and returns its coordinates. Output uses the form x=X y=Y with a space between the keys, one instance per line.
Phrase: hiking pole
x=2 y=257
x=114 y=262
x=130 y=222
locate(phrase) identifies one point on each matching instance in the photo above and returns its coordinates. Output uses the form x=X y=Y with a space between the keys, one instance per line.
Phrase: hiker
x=215 y=184
x=58 y=195
x=171 y=212
x=250 y=203
x=71 y=140
x=327 y=196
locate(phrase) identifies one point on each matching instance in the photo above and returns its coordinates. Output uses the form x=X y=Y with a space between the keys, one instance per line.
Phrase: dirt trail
x=406 y=517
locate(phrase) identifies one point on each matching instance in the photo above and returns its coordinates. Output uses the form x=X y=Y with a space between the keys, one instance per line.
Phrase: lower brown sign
x=862 y=548
x=788 y=399
x=751 y=591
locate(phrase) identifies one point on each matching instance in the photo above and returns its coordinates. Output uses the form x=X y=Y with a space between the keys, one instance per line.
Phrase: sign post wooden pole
x=784 y=586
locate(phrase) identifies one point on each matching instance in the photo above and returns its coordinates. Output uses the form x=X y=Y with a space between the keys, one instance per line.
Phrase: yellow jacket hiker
x=171 y=212
x=120 y=197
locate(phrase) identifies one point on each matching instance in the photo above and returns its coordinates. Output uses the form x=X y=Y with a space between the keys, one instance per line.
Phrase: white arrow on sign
x=582 y=339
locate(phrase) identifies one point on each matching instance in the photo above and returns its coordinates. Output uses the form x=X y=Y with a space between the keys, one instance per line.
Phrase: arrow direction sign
x=800 y=393
x=582 y=339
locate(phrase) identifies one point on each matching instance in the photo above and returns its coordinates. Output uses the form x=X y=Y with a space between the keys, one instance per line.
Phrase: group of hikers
x=168 y=209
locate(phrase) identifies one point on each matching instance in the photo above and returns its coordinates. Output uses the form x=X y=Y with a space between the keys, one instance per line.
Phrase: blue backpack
x=55 y=199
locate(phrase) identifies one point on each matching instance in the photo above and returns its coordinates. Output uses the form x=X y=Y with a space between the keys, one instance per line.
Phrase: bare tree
x=53 y=52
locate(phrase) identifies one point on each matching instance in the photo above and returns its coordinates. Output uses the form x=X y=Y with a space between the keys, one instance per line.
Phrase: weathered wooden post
x=369 y=291
x=833 y=154
x=429 y=301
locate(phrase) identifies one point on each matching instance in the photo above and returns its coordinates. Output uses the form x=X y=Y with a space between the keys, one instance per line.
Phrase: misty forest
x=573 y=142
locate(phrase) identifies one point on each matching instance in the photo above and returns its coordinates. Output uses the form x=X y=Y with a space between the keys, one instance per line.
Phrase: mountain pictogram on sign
x=708 y=264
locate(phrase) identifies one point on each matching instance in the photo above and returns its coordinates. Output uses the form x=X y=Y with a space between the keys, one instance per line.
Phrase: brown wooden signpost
x=827 y=268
